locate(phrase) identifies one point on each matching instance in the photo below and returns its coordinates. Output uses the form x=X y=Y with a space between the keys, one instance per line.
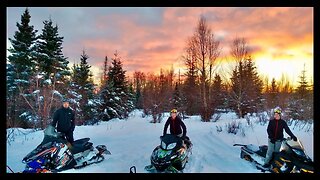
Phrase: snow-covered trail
x=132 y=141
x=212 y=154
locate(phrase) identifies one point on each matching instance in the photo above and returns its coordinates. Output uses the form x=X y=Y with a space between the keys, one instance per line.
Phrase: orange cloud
x=271 y=32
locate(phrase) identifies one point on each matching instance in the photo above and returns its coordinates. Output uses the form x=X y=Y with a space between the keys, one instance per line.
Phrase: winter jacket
x=175 y=126
x=275 y=129
x=64 y=119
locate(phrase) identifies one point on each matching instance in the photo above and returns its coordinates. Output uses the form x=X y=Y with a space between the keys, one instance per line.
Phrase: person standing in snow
x=63 y=118
x=177 y=126
x=275 y=135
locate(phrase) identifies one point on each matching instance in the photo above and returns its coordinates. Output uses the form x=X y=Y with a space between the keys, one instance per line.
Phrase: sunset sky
x=150 y=38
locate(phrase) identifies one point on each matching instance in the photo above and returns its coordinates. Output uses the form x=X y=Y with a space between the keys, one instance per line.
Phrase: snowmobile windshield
x=297 y=148
x=295 y=144
x=50 y=131
x=170 y=141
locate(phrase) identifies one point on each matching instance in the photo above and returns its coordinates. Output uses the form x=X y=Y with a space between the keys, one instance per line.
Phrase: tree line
x=38 y=78
x=203 y=92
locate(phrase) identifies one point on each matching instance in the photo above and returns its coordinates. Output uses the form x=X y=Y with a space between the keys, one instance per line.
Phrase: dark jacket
x=64 y=119
x=175 y=126
x=275 y=129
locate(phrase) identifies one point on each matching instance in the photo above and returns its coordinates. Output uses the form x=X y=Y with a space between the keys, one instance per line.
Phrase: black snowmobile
x=171 y=155
x=291 y=158
x=55 y=154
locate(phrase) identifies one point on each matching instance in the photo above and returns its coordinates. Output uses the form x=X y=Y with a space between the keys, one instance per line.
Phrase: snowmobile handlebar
x=287 y=139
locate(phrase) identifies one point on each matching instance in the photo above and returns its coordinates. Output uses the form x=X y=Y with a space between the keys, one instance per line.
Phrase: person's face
x=173 y=115
x=65 y=104
x=276 y=116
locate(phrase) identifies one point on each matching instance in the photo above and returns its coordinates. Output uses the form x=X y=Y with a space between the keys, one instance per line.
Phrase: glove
x=294 y=138
x=272 y=141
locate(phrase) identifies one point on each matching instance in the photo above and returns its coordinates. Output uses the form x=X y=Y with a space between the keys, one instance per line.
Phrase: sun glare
x=289 y=68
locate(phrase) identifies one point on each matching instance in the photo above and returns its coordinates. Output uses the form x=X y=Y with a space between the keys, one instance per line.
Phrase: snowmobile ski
x=260 y=167
x=150 y=168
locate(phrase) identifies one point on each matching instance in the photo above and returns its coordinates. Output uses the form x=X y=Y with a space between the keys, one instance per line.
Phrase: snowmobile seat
x=262 y=150
x=80 y=148
x=81 y=145
x=81 y=141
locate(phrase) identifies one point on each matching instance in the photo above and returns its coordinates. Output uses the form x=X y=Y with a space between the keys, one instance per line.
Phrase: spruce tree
x=301 y=104
x=83 y=91
x=54 y=70
x=22 y=50
x=50 y=56
x=116 y=100
x=20 y=68
x=190 y=87
x=246 y=88
x=176 y=101
x=217 y=93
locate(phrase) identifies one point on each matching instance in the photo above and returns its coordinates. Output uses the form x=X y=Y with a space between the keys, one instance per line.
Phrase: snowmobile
x=171 y=155
x=291 y=158
x=55 y=154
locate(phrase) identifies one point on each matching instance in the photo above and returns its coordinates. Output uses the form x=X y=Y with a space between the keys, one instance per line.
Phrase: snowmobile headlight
x=171 y=146
x=174 y=156
x=163 y=145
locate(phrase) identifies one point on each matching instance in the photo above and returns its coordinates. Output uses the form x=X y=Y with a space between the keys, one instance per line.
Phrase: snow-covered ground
x=132 y=141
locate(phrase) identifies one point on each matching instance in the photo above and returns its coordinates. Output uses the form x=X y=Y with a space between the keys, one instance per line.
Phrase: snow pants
x=272 y=148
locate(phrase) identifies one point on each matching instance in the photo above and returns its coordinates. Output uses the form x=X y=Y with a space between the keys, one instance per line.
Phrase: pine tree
x=246 y=88
x=218 y=97
x=50 y=57
x=12 y=95
x=272 y=95
x=20 y=68
x=23 y=47
x=254 y=88
x=53 y=71
x=116 y=100
x=139 y=83
x=302 y=89
x=190 y=87
x=176 y=100
x=301 y=105
x=83 y=91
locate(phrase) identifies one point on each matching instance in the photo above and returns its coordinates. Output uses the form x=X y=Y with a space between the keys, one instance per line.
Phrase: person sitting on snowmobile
x=275 y=135
x=63 y=118
x=175 y=127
